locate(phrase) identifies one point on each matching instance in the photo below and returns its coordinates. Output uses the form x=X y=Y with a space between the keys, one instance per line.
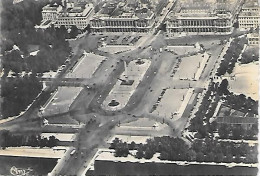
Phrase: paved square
x=86 y=66
x=61 y=101
x=191 y=67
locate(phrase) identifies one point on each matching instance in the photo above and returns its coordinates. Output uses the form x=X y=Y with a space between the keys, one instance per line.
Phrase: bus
x=72 y=152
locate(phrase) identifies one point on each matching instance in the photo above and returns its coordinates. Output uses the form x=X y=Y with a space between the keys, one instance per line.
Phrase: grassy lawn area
x=246 y=80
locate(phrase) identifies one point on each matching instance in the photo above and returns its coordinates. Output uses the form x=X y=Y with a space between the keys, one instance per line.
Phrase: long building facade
x=123 y=17
x=68 y=14
x=51 y=12
x=76 y=16
x=201 y=18
x=127 y=22
x=249 y=18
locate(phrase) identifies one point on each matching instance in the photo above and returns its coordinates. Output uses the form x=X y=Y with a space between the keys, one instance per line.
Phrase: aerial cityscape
x=129 y=87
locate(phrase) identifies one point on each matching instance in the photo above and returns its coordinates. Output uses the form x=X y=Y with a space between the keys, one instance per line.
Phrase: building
x=75 y=15
x=202 y=17
x=68 y=14
x=253 y=39
x=245 y=122
x=123 y=17
x=51 y=12
x=249 y=17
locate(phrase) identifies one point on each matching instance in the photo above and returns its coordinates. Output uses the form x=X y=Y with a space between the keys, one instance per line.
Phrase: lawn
x=245 y=80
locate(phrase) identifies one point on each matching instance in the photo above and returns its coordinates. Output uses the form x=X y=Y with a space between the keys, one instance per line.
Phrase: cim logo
x=20 y=171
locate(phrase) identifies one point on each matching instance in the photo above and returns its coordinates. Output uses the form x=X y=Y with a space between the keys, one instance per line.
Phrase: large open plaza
x=191 y=67
x=172 y=103
x=86 y=66
x=129 y=87
x=61 y=100
x=126 y=84
x=115 y=49
x=183 y=49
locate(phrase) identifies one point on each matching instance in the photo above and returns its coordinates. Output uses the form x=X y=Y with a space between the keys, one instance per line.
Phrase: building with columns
x=122 y=17
x=78 y=16
x=202 y=17
x=253 y=39
x=70 y=13
x=51 y=12
x=249 y=17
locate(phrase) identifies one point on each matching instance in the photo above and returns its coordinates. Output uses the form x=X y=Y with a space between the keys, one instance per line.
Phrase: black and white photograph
x=129 y=87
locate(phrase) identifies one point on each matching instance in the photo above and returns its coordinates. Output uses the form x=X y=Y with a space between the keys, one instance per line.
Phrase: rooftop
x=124 y=9
x=237 y=120
x=250 y=3
x=50 y=7
x=249 y=14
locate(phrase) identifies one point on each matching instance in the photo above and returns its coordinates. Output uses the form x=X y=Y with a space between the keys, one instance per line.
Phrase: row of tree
x=53 y=51
x=238 y=132
x=211 y=149
x=13 y=140
x=175 y=149
x=250 y=55
x=230 y=58
x=238 y=102
x=18 y=93
x=17 y=28
x=200 y=123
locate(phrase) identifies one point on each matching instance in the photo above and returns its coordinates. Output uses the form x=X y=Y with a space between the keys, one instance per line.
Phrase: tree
x=132 y=145
x=149 y=152
x=74 y=31
x=114 y=143
x=52 y=142
x=224 y=131
x=228 y=158
x=238 y=132
x=140 y=152
x=219 y=157
x=200 y=157
x=121 y=149
x=33 y=141
x=210 y=157
x=223 y=87
x=191 y=155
